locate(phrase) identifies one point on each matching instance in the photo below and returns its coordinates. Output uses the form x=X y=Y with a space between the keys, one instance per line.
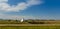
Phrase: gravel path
x=29 y=24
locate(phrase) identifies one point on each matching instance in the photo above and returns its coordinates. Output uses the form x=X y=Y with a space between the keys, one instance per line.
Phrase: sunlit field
x=41 y=24
x=30 y=27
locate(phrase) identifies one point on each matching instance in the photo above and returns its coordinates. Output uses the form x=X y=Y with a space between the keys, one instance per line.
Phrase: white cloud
x=34 y=2
x=4 y=6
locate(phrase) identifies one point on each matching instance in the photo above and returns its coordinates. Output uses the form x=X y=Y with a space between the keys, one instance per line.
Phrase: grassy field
x=14 y=24
x=30 y=22
x=29 y=27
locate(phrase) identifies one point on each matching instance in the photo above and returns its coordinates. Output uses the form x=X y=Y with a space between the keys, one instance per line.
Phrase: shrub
x=36 y=22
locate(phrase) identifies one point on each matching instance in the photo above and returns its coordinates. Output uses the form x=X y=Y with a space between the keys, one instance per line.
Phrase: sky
x=30 y=9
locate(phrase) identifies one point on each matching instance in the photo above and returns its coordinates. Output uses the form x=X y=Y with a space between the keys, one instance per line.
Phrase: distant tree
x=9 y=20
x=36 y=22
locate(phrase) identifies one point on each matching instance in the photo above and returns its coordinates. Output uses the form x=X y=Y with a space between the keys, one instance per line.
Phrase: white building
x=22 y=20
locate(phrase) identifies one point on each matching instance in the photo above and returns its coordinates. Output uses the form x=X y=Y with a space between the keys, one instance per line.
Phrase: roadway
x=29 y=24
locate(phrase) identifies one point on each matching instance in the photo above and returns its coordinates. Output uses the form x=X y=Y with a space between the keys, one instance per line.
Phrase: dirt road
x=29 y=24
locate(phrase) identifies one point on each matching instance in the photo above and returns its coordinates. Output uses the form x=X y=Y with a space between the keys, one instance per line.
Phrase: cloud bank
x=14 y=17
x=5 y=7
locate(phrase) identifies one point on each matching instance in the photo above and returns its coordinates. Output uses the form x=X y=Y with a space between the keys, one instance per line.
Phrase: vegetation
x=30 y=21
x=30 y=27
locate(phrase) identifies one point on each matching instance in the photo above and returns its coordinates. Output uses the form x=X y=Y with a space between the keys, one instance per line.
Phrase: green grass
x=31 y=27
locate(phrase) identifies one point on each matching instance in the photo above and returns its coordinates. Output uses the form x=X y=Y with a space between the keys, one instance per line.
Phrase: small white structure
x=22 y=20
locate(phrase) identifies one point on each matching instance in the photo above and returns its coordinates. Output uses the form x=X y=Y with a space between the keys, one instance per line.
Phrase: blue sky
x=43 y=9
